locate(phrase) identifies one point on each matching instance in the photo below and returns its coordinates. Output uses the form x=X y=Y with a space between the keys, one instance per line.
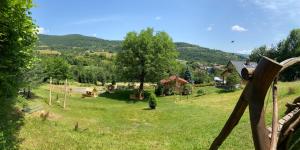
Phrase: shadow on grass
x=227 y=91
x=121 y=96
x=11 y=120
x=148 y=109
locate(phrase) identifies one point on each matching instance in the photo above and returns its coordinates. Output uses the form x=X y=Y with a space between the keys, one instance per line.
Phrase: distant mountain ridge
x=80 y=43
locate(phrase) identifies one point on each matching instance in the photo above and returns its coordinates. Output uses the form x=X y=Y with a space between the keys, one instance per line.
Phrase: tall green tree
x=257 y=53
x=290 y=47
x=57 y=68
x=146 y=56
x=17 y=37
x=187 y=75
x=285 y=49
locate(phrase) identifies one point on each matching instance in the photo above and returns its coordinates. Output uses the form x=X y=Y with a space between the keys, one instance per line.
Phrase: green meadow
x=112 y=121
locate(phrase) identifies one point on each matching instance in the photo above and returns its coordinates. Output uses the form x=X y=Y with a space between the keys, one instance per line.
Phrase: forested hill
x=79 y=43
x=192 y=52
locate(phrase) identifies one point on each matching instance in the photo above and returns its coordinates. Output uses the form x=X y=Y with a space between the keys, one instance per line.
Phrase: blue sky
x=208 y=23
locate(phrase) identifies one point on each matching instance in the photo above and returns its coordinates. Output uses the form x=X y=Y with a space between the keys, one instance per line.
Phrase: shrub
x=159 y=90
x=201 y=92
x=152 y=101
x=291 y=91
x=187 y=89
x=231 y=82
x=168 y=91
x=147 y=94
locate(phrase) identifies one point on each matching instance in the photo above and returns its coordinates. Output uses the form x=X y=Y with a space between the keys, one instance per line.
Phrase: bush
x=159 y=90
x=231 y=82
x=201 y=92
x=152 y=101
x=168 y=91
x=291 y=91
x=187 y=89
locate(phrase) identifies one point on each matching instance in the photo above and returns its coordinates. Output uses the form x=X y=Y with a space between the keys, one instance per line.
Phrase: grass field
x=114 y=122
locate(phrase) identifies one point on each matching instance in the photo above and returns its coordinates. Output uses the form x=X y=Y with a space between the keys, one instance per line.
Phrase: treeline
x=77 y=42
x=191 y=52
x=287 y=48
x=87 y=68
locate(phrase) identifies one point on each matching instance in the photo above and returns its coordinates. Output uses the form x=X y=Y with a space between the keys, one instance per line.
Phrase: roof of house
x=172 y=78
x=239 y=65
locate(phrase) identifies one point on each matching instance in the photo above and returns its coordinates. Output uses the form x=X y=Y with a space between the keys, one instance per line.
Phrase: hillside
x=79 y=43
x=192 y=52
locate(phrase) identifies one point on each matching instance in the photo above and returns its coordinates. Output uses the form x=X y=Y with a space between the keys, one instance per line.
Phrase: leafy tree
x=33 y=76
x=187 y=75
x=202 y=77
x=287 y=48
x=17 y=37
x=57 y=68
x=232 y=80
x=146 y=56
x=258 y=52
x=290 y=48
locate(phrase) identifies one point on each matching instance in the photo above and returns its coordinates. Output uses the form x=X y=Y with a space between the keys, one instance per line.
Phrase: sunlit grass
x=179 y=122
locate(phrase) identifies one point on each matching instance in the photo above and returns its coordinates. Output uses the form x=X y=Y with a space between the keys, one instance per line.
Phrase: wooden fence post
x=66 y=92
x=50 y=94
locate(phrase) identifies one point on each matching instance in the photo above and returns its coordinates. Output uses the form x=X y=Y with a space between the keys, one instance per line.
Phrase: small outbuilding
x=174 y=82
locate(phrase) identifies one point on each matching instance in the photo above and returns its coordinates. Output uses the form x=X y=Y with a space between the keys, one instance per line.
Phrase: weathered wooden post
x=66 y=92
x=50 y=94
x=259 y=80
x=274 y=136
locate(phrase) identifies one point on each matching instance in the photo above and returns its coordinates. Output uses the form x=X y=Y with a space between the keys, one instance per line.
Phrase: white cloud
x=238 y=28
x=210 y=28
x=42 y=30
x=283 y=8
x=157 y=18
x=94 y=34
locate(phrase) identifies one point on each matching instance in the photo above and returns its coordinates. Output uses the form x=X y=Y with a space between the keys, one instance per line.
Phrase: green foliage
x=34 y=75
x=257 y=53
x=232 y=80
x=187 y=89
x=17 y=36
x=169 y=91
x=77 y=43
x=187 y=75
x=191 y=52
x=152 y=101
x=201 y=92
x=159 y=90
x=287 y=48
x=57 y=68
x=202 y=77
x=146 y=56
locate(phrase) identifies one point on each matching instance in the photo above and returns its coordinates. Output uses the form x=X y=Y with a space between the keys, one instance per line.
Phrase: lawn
x=114 y=122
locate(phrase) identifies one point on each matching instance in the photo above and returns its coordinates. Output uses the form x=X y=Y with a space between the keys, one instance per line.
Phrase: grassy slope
x=120 y=124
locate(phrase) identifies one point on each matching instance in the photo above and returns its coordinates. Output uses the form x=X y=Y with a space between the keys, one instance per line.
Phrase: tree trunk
x=141 y=88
